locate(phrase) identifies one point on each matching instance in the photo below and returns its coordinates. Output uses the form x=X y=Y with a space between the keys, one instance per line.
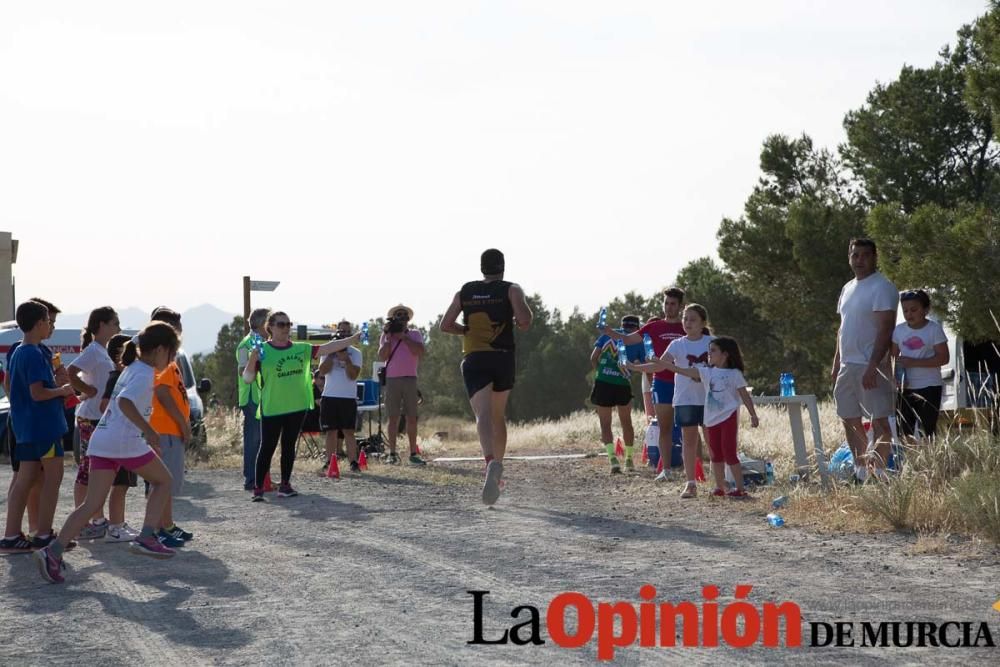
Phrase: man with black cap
x=491 y=308
x=613 y=390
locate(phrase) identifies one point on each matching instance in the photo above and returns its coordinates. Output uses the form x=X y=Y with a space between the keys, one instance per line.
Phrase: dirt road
x=376 y=570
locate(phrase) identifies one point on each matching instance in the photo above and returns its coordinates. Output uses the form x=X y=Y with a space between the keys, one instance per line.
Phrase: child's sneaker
x=629 y=465
x=393 y=459
x=719 y=493
x=738 y=494
x=150 y=546
x=616 y=467
x=180 y=533
x=258 y=495
x=19 y=544
x=168 y=540
x=49 y=566
x=42 y=542
x=415 y=460
x=355 y=468
x=93 y=531
x=664 y=476
x=690 y=490
x=286 y=491
x=122 y=533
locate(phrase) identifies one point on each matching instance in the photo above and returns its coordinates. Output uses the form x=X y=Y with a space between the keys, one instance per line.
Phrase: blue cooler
x=368 y=392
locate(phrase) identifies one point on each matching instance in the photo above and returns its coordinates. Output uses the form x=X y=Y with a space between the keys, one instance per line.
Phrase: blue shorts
x=36 y=451
x=663 y=392
x=689 y=415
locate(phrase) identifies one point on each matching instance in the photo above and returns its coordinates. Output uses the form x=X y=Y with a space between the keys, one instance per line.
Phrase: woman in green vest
x=285 y=379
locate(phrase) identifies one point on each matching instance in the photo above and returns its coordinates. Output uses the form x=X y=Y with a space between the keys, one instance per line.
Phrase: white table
x=794 y=405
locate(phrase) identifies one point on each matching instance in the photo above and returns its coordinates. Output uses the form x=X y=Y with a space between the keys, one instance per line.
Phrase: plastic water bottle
x=794 y=479
x=257 y=343
x=622 y=353
x=775 y=520
x=602 y=319
x=787 y=384
x=770 y=473
x=364 y=333
x=647 y=346
x=779 y=502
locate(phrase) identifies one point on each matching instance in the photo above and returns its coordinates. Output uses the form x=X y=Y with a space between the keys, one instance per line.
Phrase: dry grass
x=952 y=486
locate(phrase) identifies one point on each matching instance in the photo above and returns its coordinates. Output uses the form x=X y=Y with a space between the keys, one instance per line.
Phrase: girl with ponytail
x=89 y=374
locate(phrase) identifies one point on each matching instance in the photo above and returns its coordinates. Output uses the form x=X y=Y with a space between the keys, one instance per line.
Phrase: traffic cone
x=659 y=466
x=645 y=454
x=699 y=471
x=333 y=471
x=619 y=450
x=363 y=460
x=268 y=487
x=418 y=450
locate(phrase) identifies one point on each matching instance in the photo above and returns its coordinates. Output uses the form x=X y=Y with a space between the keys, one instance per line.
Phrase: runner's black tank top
x=489 y=316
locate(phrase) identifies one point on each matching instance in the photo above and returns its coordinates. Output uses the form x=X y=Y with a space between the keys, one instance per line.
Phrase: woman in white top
x=919 y=348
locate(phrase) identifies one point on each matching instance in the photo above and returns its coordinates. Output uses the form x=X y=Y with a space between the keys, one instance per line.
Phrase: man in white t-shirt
x=338 y=411
x=862 y=378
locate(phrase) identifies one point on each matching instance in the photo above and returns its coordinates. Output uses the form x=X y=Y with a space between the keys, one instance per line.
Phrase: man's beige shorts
x=400 y=392
x=854 y=401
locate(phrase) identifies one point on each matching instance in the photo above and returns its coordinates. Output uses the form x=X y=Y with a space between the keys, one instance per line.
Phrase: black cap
x=491 y=262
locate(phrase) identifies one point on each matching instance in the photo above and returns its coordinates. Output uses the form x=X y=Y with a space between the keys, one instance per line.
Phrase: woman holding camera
x=401 y=348
x=283 y=369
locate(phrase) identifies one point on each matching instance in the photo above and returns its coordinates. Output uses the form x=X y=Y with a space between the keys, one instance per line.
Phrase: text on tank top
x=489 y=316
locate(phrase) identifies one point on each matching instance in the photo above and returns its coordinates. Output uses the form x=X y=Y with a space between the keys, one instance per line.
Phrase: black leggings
x=272 y=429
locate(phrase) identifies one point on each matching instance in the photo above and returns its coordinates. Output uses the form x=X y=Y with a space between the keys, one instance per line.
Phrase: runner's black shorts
x=337 y=413
x=609 y=395
x=482 y=369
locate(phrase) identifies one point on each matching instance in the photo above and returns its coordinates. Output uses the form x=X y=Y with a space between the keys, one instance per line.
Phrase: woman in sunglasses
x=284 y=373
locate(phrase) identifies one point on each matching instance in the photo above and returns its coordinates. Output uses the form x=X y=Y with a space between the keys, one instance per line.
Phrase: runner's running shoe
x=122 y=533
x=19 y=544
x=168 y=540
x=491 y=487
x=93 y=531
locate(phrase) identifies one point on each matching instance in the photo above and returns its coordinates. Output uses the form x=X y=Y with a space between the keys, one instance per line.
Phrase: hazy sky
x=365 y=153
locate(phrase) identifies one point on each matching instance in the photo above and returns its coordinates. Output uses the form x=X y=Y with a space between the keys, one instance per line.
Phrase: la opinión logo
x=649 y=624
x=706 y=624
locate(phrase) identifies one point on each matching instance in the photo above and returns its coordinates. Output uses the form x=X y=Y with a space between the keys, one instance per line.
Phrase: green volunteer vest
x=249 y=391
x=285 y=380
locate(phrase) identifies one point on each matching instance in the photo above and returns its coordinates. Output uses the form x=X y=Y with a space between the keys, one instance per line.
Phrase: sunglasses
x=909 y=294
x=283 y=325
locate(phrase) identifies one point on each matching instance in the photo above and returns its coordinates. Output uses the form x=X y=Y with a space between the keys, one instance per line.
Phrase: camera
x=395 y=325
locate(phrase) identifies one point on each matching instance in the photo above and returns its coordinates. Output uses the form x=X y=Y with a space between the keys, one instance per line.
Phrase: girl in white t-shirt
x=89 y=375
x=920 y=349
x=124 y=438
x=687 y=352
x=725 y=389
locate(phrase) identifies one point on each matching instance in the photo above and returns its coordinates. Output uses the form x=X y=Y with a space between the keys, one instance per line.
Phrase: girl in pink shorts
x=725 y=388
x=124 y=439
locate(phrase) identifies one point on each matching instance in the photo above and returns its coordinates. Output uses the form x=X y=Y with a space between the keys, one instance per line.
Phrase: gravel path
x=376 y=569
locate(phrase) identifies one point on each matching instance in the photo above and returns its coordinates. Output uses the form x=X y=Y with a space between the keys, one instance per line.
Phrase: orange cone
x=268 y=487
x=659 y=466
x=619 y=450
x=333 y=471
x=699 y=471
x=645 y=454
x=363 y=461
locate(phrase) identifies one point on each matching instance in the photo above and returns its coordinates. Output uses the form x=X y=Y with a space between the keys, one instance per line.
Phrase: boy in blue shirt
x=36 y=409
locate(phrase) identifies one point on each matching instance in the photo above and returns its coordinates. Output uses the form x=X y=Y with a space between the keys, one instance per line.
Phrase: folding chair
x=310 y=437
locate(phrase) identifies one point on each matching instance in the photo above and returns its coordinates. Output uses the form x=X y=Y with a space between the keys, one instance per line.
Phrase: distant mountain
x=201 y=324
